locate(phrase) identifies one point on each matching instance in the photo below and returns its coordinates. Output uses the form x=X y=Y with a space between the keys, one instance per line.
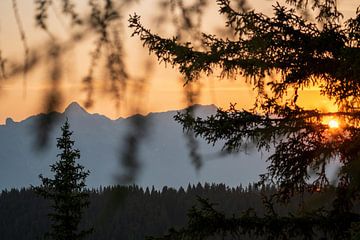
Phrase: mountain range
x=164 y=155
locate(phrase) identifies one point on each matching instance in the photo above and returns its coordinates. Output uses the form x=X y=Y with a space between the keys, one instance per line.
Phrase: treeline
x=129 y=212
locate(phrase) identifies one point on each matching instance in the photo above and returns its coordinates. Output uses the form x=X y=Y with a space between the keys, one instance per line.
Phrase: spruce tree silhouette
x=66 y=191
x=279 y=56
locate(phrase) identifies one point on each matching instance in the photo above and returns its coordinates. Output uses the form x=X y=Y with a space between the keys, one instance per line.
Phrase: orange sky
x=163 y=92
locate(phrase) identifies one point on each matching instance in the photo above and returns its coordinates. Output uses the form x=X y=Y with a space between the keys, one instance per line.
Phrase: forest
x=131 y=212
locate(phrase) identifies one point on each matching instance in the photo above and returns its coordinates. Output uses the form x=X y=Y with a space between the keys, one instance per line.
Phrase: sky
x=163 y=89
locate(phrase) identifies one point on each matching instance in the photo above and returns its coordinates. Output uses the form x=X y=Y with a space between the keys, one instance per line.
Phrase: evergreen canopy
x=279 y=56
x=287 y=53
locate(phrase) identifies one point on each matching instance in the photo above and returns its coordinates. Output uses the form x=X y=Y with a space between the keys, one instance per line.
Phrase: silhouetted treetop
x=66 y=190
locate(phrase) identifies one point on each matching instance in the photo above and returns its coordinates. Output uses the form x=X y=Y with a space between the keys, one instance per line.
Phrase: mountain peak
x=9 y=121
x=74 y=107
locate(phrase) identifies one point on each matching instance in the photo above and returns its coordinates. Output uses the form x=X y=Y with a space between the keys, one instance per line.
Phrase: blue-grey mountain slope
x=164 y=154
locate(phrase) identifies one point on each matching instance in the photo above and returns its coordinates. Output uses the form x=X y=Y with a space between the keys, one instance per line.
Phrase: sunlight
x=333 y=123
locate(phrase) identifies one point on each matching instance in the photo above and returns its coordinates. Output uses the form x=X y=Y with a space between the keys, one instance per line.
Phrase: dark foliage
x=66 y=191
x=279 y=55
x=134 y=213
x=303 y=54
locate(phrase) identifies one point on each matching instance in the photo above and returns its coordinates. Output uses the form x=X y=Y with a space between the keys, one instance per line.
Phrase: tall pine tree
x=66 y=190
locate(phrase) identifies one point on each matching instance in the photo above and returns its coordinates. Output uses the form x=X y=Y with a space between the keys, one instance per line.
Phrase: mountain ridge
x=75 y=106
x=163 y=153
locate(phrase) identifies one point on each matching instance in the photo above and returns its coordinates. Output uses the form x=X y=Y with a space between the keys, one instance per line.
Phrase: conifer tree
x=66 y=190
x=279 y=55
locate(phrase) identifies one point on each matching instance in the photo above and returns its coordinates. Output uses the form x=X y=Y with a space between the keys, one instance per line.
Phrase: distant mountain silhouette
x=164 y=155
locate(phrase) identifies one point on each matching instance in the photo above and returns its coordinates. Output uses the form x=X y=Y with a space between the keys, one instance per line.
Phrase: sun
x=333 y=123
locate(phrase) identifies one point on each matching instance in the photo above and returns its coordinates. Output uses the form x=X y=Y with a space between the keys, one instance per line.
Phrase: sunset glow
x=161 y=95
x=333 y=123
